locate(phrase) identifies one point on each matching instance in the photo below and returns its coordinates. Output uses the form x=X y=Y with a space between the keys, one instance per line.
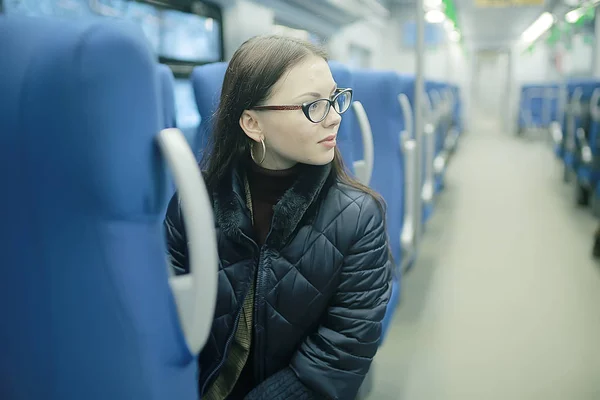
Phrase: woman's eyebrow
x=317 y=95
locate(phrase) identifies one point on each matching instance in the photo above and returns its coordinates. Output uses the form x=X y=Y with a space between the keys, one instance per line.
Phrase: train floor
x=504 y=300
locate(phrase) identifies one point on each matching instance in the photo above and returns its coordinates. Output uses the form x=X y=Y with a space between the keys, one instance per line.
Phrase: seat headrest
x=343 y=77
x=106 y=148
x=379 y=90
x=207 y=81
x=167 y=98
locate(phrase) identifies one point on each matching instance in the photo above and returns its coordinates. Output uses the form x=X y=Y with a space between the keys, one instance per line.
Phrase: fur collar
x=233 y=217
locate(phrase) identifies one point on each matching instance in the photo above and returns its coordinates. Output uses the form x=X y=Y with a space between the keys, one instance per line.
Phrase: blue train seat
x=578 y=118
x=532 y=103
x=207 y=81
x=594 y=140
x=167 y=95
x=442 y=128
x=167 y=101
x=343 y=78
x=356 y=134
x=378 y=92
x=582 y=155
x=409 y=156
x=531 y=106
x=389 y=313
x=428 y=156
x=457 y=111
x=87 y=308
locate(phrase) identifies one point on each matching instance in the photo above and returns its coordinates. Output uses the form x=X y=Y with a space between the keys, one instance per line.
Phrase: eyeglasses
x=316 y=111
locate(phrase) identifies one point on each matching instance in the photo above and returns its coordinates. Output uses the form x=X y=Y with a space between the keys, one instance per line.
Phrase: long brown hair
x=251 y=74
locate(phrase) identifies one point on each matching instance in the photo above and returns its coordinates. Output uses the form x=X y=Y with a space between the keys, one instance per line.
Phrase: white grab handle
x=195 y=293
x=429 y=142
x=408 y=234
x=364 y=167
x=407 y=113
x=586 y=151
x=556 y=132
x=408 y=147
x=428 y=107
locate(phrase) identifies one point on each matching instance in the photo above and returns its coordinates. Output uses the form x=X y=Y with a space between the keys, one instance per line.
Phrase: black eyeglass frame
x=305 y=107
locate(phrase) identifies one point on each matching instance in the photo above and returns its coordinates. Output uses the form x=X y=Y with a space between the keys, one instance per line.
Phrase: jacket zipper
x=224 y=358
x=258 y=303
x=235 y=326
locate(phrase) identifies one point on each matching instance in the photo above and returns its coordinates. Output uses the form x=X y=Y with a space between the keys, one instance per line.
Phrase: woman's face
x=289 y=136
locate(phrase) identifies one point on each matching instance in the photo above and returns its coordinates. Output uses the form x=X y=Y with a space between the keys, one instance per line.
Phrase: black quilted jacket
x=323 y=283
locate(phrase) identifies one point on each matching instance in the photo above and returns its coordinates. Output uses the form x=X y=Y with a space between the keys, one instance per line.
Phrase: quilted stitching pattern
x=324 y=292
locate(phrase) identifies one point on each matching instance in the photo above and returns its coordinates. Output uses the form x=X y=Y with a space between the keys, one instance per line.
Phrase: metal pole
x=596 y=47
x=418 y=110
x=509 y=115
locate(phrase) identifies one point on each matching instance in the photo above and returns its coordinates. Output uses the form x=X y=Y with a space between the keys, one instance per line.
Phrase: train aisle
x=504 y=302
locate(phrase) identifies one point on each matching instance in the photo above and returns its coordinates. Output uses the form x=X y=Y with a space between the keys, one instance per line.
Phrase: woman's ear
x=251 y=126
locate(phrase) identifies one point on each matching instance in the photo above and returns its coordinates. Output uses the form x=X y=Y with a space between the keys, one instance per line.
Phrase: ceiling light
x=435 y=16
x=574 y=15
x=535 y=30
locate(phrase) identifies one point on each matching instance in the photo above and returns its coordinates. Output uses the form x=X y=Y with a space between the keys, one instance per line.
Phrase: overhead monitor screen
x=189 y=37
x=47 y=8
x=172 y=34
x=66 y=8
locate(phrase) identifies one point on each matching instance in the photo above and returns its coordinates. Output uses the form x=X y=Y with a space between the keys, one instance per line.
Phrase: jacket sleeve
x=177 y=250
x=333 y=362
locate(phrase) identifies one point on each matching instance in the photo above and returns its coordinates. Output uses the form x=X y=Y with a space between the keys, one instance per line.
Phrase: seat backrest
x=343 y=78
x=378 y=92
x=207 y=81
x=457 y=110
x=407 y=87
x=167 y=100
x=443 y=127
x=188 y=118
x=167 y=96
x=87 y=311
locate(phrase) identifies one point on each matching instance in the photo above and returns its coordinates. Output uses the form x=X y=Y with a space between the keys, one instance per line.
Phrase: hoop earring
x=264 y=154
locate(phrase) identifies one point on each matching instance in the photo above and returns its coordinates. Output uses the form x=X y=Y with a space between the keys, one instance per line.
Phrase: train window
x=189 y=37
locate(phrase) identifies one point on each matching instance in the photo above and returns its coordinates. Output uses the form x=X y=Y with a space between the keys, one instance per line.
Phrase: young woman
x=305 y=271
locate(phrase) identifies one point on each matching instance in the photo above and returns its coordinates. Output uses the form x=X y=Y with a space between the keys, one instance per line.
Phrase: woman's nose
x=332 y=119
